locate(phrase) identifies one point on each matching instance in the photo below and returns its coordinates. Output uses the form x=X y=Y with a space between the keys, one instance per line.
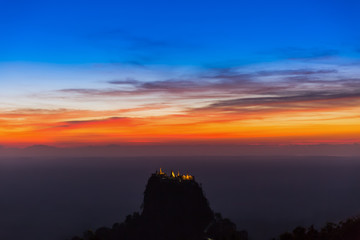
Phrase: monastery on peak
x=174 y=176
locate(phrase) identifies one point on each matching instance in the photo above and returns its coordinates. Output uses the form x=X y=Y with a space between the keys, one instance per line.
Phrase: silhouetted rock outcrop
x=174 y=208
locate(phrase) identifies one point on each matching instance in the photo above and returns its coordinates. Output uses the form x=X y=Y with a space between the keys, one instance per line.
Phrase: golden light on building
x=187 y=177
x=175 y=176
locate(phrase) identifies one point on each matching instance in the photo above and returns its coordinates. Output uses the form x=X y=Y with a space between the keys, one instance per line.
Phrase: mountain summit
x=174 y=208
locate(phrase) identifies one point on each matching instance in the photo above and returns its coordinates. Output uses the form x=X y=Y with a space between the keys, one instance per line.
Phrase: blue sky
x=228 y=68
x=48 y=46
x=197 y=33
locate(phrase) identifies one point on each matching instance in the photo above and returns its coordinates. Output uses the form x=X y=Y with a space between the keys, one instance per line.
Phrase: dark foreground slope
x=175 y=208
x=345 y=230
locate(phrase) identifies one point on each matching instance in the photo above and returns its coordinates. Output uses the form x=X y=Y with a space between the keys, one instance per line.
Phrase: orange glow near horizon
x=269 y=103
x=64 y=127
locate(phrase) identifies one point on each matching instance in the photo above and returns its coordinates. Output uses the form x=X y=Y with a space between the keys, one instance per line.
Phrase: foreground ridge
x=344 y=230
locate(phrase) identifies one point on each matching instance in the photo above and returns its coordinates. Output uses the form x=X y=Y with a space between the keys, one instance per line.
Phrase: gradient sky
x=249 y=72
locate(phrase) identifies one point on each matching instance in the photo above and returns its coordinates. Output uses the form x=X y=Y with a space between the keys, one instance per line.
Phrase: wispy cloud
x=297 y=53
x=231 y=82
x=221 y=93
x=135 y=48
x=301 y=100
x=126 y=81
x=134 y=41
x=216 y=103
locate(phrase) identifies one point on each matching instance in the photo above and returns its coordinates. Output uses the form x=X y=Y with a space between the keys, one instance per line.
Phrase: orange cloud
x=57 y=127
x=221 y=105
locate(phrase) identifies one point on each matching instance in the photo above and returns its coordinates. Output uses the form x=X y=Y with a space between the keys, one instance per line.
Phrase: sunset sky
x=140 y=72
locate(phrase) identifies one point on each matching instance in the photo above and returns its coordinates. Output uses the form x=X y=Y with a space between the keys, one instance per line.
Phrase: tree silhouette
x=348 y=230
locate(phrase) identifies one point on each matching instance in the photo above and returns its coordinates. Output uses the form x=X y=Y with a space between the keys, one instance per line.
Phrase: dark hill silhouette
x=345 y=230
x=174 y=208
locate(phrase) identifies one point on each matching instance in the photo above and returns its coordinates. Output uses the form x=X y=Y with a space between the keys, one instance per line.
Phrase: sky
x=150 y=72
